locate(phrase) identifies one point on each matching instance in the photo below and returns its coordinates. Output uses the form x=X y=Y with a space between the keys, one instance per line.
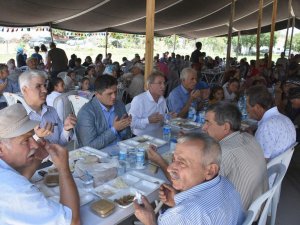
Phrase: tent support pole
x=174 y=46
x=260 y=12
x=288 y=25
x=51 y=32
x=106 y=41
x=238 y=44
x=274 y=15
x=293 y=26
x=230 y=33
x=150 y=10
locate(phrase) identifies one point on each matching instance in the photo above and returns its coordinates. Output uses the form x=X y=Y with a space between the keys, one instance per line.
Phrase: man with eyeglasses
x=149 y=108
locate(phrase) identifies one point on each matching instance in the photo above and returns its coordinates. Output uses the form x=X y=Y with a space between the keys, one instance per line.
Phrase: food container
x=103 y=207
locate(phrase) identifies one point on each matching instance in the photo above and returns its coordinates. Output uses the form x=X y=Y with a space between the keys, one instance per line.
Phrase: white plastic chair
x=12 y=98
x=285 y=159
x=77 y=102
x=258 y=205
x=127 y=107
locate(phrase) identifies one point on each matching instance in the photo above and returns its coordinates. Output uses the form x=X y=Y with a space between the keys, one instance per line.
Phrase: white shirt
x=227 y=95
x=142 y=106
x=275 y=133
x=22 y=203
x=51 y=97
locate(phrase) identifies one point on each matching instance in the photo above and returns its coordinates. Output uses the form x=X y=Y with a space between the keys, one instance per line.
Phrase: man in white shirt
x=148 y=109
x=21 y=202
x=275 y=132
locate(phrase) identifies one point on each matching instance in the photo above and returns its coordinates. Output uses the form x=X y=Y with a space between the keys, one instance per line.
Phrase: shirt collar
x=185 y=91
x=150 y=97
x=229 y=136
x=29 y=110
x=269 y=113
x=4 y=165
x=195 y=190
x=104 y=109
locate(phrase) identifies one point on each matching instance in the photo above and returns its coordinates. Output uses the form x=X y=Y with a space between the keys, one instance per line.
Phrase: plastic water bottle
x=166 y=132
x=192 y=114
x=140 y=159
x=173 y=143
x=201 y=117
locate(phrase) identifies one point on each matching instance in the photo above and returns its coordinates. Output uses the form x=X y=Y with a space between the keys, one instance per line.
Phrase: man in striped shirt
x=198 y=195
x=242 y=157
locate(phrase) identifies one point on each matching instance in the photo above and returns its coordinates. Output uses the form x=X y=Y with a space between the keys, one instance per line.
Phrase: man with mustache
x=33 y=87
x=21 y=202
x=198 y=195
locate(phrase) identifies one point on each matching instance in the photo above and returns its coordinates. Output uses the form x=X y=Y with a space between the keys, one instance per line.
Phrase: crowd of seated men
x=203 y=180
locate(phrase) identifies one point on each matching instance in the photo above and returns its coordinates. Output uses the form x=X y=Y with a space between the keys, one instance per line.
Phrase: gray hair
x=151 y=78
x=186 y=72
x=211 y=151
x=27 y=76
x=260 y=95
x=226 y=112
x=6 y=142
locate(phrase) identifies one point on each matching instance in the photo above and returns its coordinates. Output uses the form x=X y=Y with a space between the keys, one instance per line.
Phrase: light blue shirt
x=178 y=98
x=21 y=202
x=275 y=133
x=49 y=114
x=12 y=87
x=213 y=202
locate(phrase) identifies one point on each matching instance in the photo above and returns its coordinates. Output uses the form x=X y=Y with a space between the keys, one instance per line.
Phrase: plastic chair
x=127 y=107
x=63 y=105
x=285 y=159
x=13 y=98
x=258 y=205
x=77 y=102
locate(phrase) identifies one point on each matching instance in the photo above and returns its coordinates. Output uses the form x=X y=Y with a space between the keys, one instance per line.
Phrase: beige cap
x=14 y=121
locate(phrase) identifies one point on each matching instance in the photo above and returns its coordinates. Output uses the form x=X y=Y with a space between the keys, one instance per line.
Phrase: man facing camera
x=21 y=202
x=198 y=195
x=103 y=121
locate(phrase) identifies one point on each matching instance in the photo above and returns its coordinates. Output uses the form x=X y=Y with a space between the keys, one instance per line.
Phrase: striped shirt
x=275 y=133
x=244 y=165
x=213 y=202
x=49 y=114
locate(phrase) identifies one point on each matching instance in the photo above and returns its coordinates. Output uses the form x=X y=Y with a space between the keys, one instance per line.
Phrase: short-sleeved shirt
x=275 y=133
x=59 y=59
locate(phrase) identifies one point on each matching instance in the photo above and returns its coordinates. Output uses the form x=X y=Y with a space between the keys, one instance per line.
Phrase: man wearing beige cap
x=21 y=202
x=136 y=86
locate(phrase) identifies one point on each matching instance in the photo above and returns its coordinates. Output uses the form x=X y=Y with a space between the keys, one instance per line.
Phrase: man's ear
x=1 y=150
x=212 y=170
x=227 y=128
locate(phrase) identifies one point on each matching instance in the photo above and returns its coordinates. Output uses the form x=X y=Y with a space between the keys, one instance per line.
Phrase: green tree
x=295 y=43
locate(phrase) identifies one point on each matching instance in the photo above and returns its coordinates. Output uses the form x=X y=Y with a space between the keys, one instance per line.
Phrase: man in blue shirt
x=184 y=96
x=198 y=195
x=103 y=121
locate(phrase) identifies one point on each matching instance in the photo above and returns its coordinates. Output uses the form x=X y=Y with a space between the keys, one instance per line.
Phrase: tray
x=141 y=142
x=105 y=191
x=125 y=192
x=184 y=124
x=85 y=151
x=84 y=199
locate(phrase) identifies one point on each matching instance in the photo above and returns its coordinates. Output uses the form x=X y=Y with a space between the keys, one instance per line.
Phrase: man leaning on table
x=21 y=202
x=198 y=195
x=103 y=120
x=149 y=109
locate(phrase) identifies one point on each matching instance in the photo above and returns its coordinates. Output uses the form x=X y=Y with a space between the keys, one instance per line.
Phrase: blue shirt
x=178 y=98
x=12 y=87
x=213 y=202
x=49 y=114
x=21 y=202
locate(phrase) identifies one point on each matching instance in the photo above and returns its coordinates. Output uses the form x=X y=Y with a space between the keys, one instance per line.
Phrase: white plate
x=146 y=186
x=131 y=142
x=146 y=177
x=124 y=192
x=130 y=179
x=83 y=199
x=105 y=191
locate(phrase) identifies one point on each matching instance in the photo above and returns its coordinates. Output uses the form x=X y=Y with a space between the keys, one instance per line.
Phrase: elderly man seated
x=103 y=121
x=149 y=109
x=184 y=96
x=6 y=85
x=198 y=195
x=240 y=151
x=21 y=202
x=275 y=132
x=136 y=86
x=33 y=88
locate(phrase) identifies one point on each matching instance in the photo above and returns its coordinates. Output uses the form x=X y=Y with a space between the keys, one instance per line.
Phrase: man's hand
x=122 y=123
x=156 y=118
x=59 y=156
x=70 y=122
x=173 y=115
x=145 y=213
x=166 y=194
x=154 y=156
x=44 y=131
x=195 y=94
